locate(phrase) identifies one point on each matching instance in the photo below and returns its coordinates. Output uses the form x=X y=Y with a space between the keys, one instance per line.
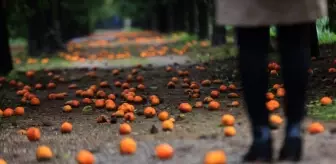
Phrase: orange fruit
x=214 y=94
x=33 y=134
x=315 y=128
x=199 y=104
x=85 y=157
x=215 y=157
x=19 y=111
x=326 y=101
x=125 y=128
x=280 y=92
x=35 y=101
x=127 y=146
x=167 y=125
x=43 y=153
x=129 y=116
x=155 y=101
x=66 y=127
x=270 y=96
x=275 y=119
x=149 y=112
x=100 y=103
x=164 y=151
x=67 y=108
x=214 y=105
x=272 y=105
x=229 y=131
x=164 y=115
x=228 y=120
x=8 y=112
x=185 y=107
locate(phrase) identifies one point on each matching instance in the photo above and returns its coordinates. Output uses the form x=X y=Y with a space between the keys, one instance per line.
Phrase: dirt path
x=157 y=61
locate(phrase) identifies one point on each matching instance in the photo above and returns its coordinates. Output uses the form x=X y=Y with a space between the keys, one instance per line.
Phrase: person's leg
x=314 y=44
x=219 y=35
x=294 y=46
x=253 y=50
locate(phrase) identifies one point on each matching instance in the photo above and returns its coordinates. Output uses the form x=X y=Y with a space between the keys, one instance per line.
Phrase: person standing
x=252 y=20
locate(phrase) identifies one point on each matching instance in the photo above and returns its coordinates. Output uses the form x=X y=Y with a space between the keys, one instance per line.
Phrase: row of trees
x=193 y=16
x=47 y=24
x=196 y=17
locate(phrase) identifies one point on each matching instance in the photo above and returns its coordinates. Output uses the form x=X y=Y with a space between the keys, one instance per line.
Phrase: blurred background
x=41 y=28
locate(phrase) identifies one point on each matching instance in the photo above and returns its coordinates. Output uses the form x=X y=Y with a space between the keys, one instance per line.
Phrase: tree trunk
x=35 y=29
x=170 y=17
x=162 y=18
x=192 y=16
x=71 y=27
x=179 y=16
x=154 y=22
x=203 y=20
x=218 y=36
x=314 y=46
x=6 y=58
x=55 y=39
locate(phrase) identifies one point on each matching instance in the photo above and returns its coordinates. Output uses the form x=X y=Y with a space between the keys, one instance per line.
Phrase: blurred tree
x=6 y=59
x=332 y=14
x=203 y=19
x=47 y=24
x=180 y=15
x=218 y=36
x=192 y=16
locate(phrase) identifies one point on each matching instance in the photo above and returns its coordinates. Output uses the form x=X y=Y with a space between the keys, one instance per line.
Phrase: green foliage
x=18 y=41
x=83 y=12
x=332 y=15
x=134 y=9
x=325 y=35
x=322 y=112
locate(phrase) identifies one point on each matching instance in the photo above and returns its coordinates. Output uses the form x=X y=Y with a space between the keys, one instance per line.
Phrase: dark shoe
x=291 y=149
x=260 y=151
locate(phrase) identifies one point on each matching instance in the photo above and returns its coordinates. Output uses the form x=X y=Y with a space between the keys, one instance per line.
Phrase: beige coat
x=268 y=12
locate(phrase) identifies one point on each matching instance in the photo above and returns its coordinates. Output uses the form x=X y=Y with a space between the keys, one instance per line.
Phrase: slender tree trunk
x=203 y=20
x=56 y=36
x=192 y=17
x=315 y=50
x=179 y=16
x=34 y=29
x=162 y=18
x=170 y=17
x=71 y=27
x=6 y=58
x=218 y=36
x=154 y=22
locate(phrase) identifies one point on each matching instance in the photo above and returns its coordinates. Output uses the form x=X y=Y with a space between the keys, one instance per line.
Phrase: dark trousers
x=294 y=47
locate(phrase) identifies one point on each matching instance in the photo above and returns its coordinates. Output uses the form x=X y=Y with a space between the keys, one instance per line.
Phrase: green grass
x=182 y=36
x=54 y=62
x=202 y=54
x=18 y=41
x=321 y=112
x=132 y=29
